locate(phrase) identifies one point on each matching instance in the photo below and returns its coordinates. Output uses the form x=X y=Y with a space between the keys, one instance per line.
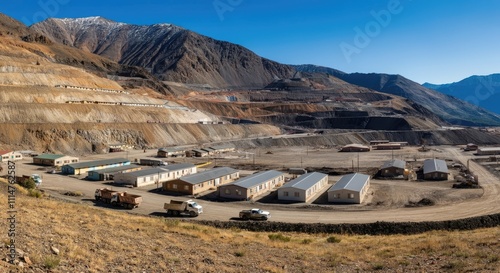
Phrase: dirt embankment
x=377 y=228
x=84 y=138
x=438 y=137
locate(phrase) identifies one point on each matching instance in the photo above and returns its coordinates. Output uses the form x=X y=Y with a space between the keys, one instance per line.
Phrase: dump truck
x=183 y=208
x=152 y=162
x=254 y=214
x=117 y=198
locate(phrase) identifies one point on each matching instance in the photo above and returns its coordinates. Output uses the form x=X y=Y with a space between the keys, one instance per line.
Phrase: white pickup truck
x=254 y=214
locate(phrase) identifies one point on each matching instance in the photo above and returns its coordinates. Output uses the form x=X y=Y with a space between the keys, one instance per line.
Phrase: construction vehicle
x=117 y=198
x=183 y=208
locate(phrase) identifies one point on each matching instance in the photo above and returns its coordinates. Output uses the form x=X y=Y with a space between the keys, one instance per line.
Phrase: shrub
x=279 y=237
x=307 y=241
x=239 y=253
x=51 y=262
x=27 y=183
x=35 y=193
x=333 y=239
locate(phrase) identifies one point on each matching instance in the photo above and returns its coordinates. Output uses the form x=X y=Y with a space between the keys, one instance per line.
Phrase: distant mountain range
x=167 y=51
x=174 y=54
x=483 y=91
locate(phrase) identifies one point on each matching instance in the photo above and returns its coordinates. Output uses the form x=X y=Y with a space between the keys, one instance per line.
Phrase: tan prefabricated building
x=252 y=186
x=351 y=188
x=155 y=175
x=303 y=188
x=435 y=169
x=202 y=181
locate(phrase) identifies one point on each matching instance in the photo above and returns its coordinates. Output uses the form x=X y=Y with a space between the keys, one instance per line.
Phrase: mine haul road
x=153 y=202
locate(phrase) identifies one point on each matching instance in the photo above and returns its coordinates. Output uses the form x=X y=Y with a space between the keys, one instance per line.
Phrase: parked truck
x=36 y=178
x=184 y=208
x=152 y=162
x=117 y=198
x=254 y=214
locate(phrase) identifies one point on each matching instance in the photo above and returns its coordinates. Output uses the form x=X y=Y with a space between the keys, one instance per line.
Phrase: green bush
x=333 y=239
x=27 y=183
x=35 y=193
x=239 y=253
x=279 y=237
x=307 y=241
x=51 y=262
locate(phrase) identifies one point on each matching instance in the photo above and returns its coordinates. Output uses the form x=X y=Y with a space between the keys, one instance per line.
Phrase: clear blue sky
x=438 y=41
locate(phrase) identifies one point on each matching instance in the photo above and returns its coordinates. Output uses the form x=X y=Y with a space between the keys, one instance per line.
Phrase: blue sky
x=435 y=41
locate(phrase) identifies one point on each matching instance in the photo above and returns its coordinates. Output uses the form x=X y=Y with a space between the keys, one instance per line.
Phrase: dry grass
x=99 y=240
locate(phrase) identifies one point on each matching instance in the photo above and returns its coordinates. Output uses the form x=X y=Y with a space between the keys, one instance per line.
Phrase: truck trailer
x=117 y=198
x=183 y=208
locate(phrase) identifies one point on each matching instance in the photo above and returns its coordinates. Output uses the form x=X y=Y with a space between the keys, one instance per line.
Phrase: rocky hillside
x=168 y=51
x=449 y=108
x=483 y=91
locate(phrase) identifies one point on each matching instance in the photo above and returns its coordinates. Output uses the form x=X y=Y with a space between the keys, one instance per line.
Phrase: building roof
x=489 y=149
x=200 y=151
x=147 y=172
x=256 y=179
x=88 y=164
x=435 y=165
x=208 y=175
x=116 y=169
x=5 y=152
x=355 y=145
x=305 y=181
x=49 y=156
x=400 y=164
x=353 y=182
x=180 y=166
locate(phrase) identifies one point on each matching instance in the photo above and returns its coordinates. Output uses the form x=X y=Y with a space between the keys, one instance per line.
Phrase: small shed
x=252 y=186
x=9 y=155
x=354 y=148
x=351 y=189
x=435 y=169
x=199 y=153
x=393 y=168
x=470 y=147
x=303 y=188
x=202 y=181
x=171 y=152
x=54 y=160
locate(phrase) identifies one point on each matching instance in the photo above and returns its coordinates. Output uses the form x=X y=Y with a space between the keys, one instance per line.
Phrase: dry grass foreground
x=92 y=239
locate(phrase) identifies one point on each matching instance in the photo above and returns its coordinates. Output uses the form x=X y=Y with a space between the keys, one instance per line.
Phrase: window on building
x=186 y=187
x=238 y=192
x=227 y=191
x=296 y=194
x=174 y=186
x=285 y=193
x=351 y=195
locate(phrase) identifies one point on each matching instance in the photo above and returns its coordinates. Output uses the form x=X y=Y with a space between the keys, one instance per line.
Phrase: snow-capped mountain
x=168 y=51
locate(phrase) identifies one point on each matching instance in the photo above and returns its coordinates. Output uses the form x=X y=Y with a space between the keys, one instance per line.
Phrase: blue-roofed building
x=435 y=169
x=303 y=188
x=202 y=181
x=156 y=175
x=351 y=188
x=252 y=186
x=108 y=174
x=84 y=167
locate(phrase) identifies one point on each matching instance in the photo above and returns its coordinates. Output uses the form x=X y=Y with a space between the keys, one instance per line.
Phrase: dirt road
x=489 y=203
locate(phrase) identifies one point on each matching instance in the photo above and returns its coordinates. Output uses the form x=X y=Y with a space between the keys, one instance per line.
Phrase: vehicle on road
x=183 y=208
x=254 y=214
x=117 y=198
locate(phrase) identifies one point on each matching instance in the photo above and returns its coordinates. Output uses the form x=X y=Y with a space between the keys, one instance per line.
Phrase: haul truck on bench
x=184 y=208
x=117 y=198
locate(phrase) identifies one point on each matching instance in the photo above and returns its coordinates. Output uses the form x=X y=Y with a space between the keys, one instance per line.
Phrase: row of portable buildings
x=196 y=152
